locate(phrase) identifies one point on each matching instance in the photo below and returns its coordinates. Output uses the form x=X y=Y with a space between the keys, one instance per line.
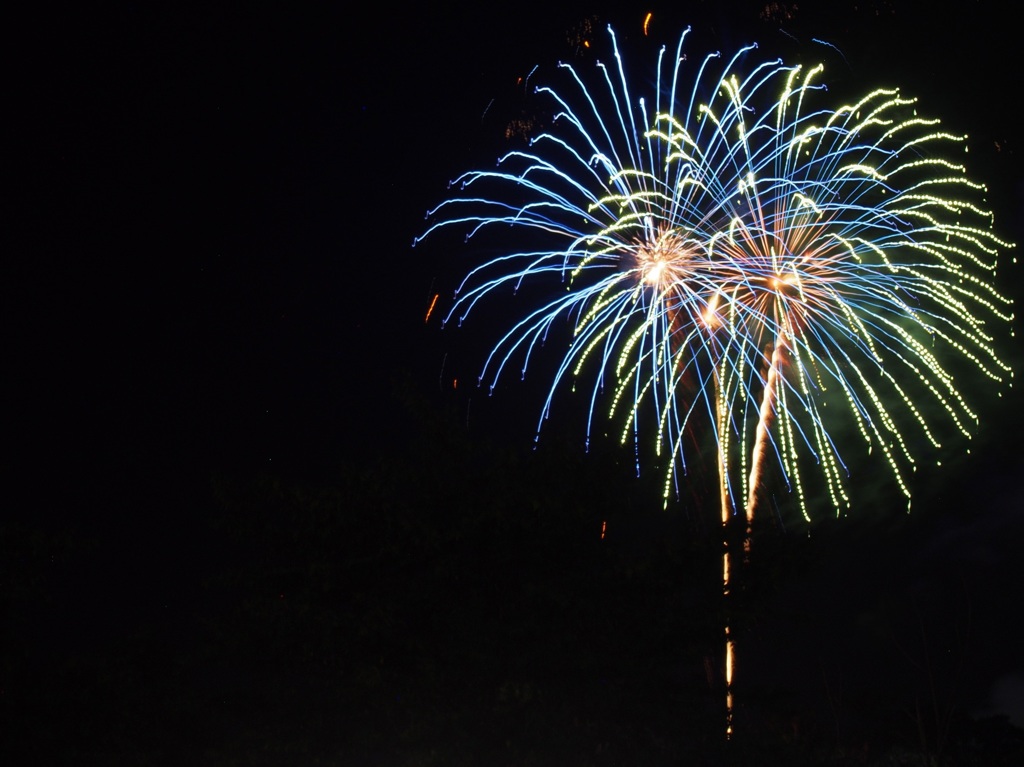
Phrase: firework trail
x=732 y=253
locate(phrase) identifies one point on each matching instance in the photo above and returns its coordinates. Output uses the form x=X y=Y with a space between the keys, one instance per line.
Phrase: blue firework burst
x=736 y=256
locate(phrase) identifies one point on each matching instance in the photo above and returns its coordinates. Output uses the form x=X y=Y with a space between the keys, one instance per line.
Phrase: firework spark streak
x=732 y=253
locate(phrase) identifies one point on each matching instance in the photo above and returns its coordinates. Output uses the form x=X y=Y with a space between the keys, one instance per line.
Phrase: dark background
x=251 y=520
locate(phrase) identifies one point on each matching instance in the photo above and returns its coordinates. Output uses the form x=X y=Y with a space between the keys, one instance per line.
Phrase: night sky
x=224 y=402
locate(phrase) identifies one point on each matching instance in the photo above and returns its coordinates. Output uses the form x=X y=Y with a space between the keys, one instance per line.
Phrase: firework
x=732 y=254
